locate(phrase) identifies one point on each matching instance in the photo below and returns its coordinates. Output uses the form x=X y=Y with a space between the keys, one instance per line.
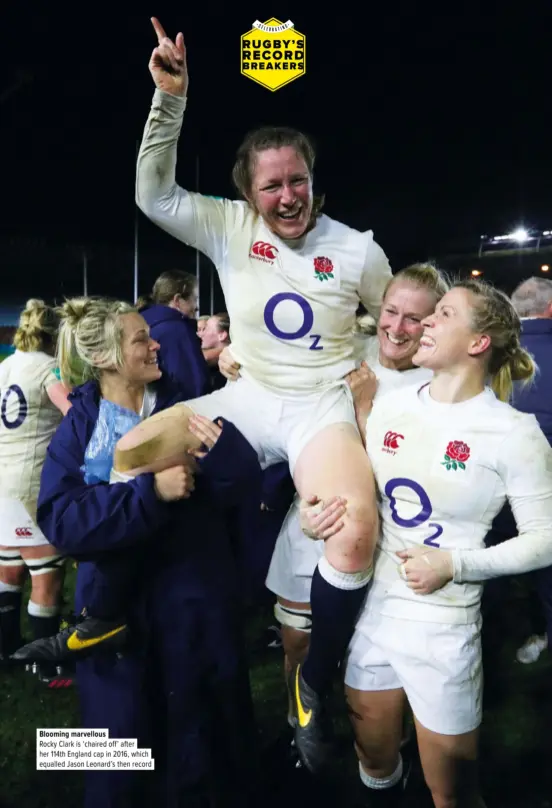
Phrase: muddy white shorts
x=277 y=428
x=17 y=528
x=294 y=560
x=438 y=665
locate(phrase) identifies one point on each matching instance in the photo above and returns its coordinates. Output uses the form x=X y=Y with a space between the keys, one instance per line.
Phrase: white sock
x=36 y=610
x=9 y=588
x=380 y=783
x=343 y=580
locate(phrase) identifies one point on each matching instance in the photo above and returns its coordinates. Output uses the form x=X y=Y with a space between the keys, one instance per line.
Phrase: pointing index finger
x=158 y=28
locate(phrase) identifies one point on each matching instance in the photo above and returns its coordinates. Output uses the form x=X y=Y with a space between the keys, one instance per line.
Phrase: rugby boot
x=54 y=677
x=311 y=724
x=88 y=636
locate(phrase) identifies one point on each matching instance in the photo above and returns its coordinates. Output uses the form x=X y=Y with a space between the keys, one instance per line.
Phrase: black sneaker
x=86 y=637
x=312 y=728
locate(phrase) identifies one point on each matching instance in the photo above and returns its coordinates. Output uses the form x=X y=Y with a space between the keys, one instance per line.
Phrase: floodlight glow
x=476 y=272
x=519 y=235
x=545 y=268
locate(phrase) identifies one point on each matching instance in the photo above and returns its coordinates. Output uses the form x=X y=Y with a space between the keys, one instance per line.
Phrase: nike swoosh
x=74 y=643
x=303 y=716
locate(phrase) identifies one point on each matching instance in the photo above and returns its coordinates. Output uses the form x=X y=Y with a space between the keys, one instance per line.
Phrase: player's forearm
x=524 y=553
x=156 y=166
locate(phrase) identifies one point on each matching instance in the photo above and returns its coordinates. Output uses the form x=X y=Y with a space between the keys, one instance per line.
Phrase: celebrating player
x=459 y=452
x=292 y=280
x=410 y=297
x=33 y=401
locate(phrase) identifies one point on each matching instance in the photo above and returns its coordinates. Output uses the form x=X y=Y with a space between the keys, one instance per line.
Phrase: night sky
x=432 y=128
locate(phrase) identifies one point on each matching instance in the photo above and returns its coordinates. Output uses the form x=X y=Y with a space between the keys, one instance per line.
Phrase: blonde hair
x=494 y=315
x=223 y=321
x=168 y=284
x=365 y=325
x=422 y=276
x=38 y=327
x=90 y=338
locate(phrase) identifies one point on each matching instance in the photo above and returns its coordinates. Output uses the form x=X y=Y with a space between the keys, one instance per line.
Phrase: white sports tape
x=11 y=558
x=299 y=619
x=41 y=566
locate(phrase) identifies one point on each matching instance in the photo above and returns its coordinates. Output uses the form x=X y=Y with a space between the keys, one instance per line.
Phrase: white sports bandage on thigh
x=299 y=619
x=40 y=566
x=11 y=558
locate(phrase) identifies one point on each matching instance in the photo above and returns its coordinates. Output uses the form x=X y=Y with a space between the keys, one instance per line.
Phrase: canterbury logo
x=303 y=716
x=263 y=251
x=74 y=643
x=23 y=532
x=391 y=440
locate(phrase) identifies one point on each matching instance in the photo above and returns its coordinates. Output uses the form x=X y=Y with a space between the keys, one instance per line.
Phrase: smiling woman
x=273 y=171
x=408 y=296
x=474 y=333
x=458 y=453
x=140 y=569
x=292 y=278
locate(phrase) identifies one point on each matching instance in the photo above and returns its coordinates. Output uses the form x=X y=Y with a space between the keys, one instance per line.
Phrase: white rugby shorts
x=277 y=428
x=17 y=528
x=438 y=665
x=294 y=560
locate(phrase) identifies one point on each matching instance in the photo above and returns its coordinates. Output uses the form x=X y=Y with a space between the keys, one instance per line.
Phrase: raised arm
x=196 y=220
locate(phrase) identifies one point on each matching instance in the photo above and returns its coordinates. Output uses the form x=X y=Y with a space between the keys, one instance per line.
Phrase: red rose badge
x=323 y=268
x=456 y=456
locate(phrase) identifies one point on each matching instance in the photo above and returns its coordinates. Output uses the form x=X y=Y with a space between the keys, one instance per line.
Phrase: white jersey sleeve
x=525 y=466
x=199 y=221
x=292 y=304
x=376 y=274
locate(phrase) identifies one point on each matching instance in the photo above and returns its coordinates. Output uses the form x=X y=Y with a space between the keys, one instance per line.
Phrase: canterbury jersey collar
x=441 y=407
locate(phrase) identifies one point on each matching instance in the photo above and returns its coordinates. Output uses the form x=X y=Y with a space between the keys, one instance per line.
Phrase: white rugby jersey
x=28 y=419
x=292 y=305
x=443 y=472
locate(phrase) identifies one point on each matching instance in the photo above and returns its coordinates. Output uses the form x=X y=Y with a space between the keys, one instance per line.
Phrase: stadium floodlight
x=476 y=273
x=520 y=235
x=545 y=268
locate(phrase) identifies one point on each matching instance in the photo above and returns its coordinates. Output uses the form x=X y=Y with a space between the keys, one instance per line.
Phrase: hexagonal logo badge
x=273 y=53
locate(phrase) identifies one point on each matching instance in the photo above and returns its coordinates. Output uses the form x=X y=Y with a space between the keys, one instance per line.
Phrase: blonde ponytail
x=38 y=327
x=518 y=367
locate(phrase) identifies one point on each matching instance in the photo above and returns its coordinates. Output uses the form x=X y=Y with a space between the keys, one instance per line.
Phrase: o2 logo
x=425 y=508
x=13 y=390
x=303 y=330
